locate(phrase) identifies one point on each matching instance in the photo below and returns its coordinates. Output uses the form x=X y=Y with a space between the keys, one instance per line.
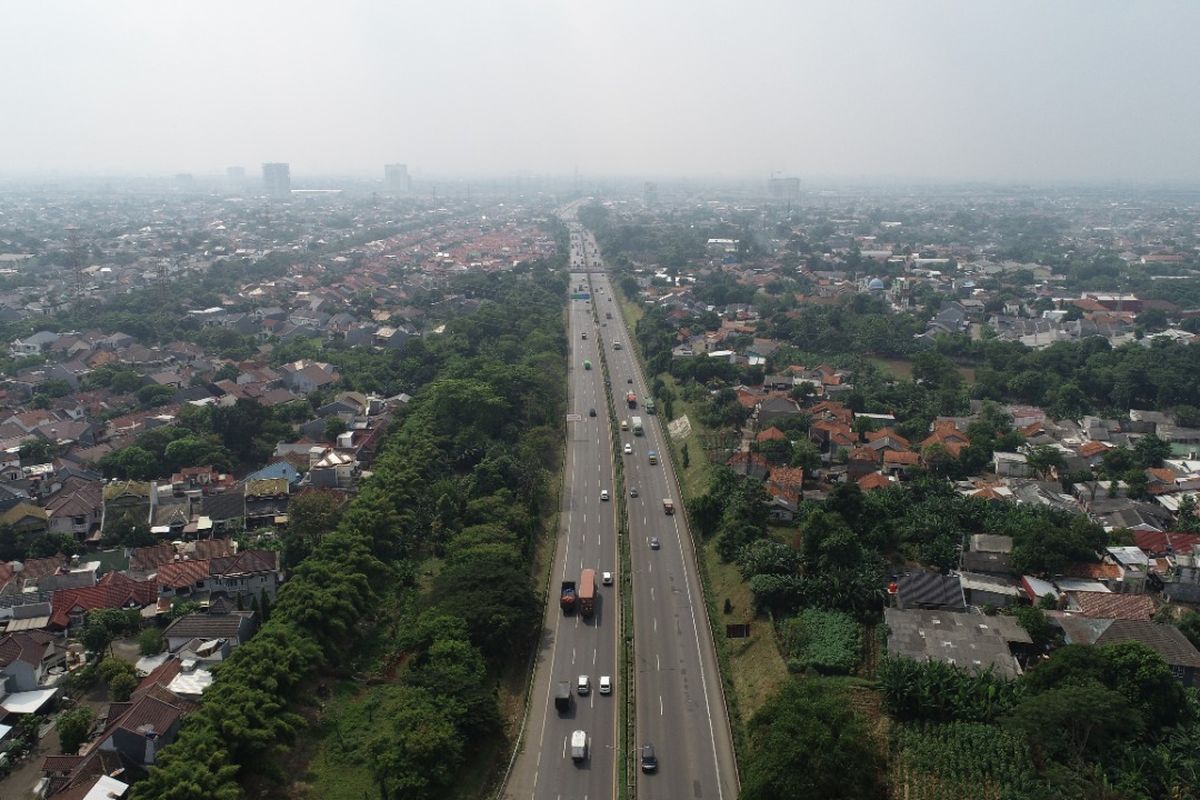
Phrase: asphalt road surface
x=573 y=645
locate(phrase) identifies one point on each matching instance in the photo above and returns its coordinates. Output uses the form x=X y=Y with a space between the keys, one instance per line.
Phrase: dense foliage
x=808 y=741
x=462 y=475
x=828 y=642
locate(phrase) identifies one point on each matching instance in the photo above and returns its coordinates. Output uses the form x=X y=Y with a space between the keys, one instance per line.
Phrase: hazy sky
x=1011 y=90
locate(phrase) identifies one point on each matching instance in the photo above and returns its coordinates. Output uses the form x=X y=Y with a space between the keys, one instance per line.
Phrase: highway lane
x=572 y=645
x=680 y=706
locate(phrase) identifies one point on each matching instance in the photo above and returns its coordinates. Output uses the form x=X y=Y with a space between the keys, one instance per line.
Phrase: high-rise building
x=396 y=178
x=650 y=194
x=277 y=179
x=235 y=174
x=783 y=188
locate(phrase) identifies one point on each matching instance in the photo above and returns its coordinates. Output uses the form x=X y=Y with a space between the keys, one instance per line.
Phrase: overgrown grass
x=756 y=665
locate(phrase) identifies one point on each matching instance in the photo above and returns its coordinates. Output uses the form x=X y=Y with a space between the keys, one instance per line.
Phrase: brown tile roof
x=901 y=458
x=114 y=590
x=771 y=434
x=873 y=481
x=181 y=574
x=1096 y=570
x=245 y=562
x=1109 y=605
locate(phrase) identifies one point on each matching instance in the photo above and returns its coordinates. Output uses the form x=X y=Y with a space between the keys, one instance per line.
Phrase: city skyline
x=935 y=91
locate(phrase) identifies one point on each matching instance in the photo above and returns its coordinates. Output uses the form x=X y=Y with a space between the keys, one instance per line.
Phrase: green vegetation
x=808 y=741
x=73 y=728
x=462 y=478
x=828 y=642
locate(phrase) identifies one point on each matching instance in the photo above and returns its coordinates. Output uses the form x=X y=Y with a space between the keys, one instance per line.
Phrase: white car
x=605 y=684
x=604 y=494
x=628 y=449
x=584 y=685
x=606 y=578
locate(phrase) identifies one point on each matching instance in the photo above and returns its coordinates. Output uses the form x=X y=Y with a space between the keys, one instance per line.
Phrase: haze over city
x=1014 y=91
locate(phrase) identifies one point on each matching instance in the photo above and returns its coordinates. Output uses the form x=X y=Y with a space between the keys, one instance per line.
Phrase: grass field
x=902 y=368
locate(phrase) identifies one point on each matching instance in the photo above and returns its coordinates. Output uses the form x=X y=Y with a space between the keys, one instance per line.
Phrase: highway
x=680 y=705
x=572 y=645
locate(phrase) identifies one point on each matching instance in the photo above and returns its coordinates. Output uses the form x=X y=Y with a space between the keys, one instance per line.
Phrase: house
x=330 y=469
x=1011 y=465
x=235 y=627
x=139 y=729
x=777 y=408
x=860 y=462
x=1166 y=640
x=997 y=591
x=33 y=345
x=26 y=519
x=126 y=499
x=145 y=561
x=26 y=658
x=752 y=464
x=226 y=511
x=266 y=502
x=77 y=513
x=929 y=590
x=972 y=641
x=279 y=469
x=68 y=607
x=308 y=376
x=1109 y=605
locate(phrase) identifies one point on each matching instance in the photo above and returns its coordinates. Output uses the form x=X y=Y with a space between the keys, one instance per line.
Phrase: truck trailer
x=587 y=592
x=562 y=696
x=578 y=746
x=638 y=430
x=631 y=400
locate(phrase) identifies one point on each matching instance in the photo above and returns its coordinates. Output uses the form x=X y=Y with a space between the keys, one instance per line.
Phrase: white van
x=584 y=686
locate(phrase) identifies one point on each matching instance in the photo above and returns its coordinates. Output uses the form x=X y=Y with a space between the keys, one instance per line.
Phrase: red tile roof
x=114 y=590
x=771 y=434
x=181 y=574
x=1156 y=542
x=1109 y=605
x=873 y=481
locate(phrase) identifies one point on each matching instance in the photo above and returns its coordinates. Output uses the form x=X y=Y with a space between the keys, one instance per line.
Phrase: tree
x=121 y=687
x=1071 y=721
x=806 y=456
x=1043 y=459
x=335 y=426
x=150 y=642
x=1189 y=625
x=310 y=516
x=1149 y=451
x=73 y=728
x=801 y=741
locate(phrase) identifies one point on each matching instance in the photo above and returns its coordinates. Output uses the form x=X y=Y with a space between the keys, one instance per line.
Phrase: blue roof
x=280 y=469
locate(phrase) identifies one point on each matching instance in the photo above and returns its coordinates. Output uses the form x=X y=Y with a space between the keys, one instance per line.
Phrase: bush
x=828 y=642
x=150 y=642
x=73 y=728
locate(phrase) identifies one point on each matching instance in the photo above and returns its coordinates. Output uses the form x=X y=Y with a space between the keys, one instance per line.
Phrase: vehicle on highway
x=629 y=380
x=654 y=543
x=653 y=456
x=578 y=746
x=567 y=597
x=591 y=412
x=605 y=684
x=584 y=685
x=562 y=696
x=587 y=364
x=587 y=592
x=608 y=315
x=636 y=421
x=649 y=760
x=616 y=345
x=631 y=399
x=583 y=335
x=604 y=494
x=606 y=578
x=628 y=449
x=633 y=491
x=668 y=506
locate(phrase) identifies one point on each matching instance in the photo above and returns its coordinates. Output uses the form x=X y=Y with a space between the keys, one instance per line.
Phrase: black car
x=649 y=760
x=591 y=412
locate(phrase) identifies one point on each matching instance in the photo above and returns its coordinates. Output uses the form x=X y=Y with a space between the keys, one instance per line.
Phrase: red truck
x=631 y=399
x=587 y=592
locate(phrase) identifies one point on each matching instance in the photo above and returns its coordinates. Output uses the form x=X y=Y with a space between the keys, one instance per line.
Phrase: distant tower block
x=783 y=188
x=396 y=178
x=277 y=179
x=235 y=174
x=650 y=194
